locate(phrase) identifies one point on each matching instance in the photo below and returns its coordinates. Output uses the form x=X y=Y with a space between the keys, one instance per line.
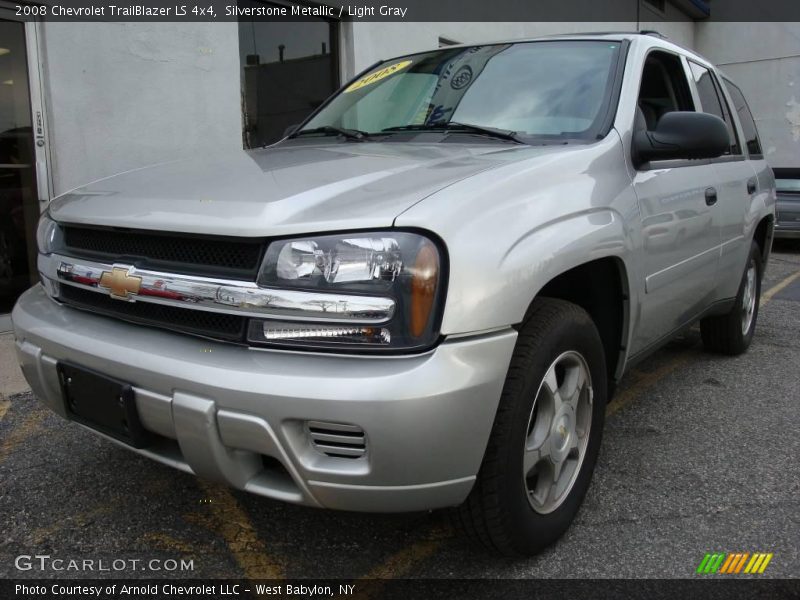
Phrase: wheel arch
x=762 y=235
x=601 y=287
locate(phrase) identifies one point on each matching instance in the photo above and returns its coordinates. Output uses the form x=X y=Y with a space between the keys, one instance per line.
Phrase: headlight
x=402 y=269
x=46 y=234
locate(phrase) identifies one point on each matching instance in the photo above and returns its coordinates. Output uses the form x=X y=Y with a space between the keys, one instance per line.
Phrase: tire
x=732 y=333
x=501 y=512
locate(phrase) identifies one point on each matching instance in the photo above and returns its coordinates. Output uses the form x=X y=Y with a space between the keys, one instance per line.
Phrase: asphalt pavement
x=700 y=454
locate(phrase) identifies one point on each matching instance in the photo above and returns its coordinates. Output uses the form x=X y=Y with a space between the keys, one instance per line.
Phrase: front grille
x=198 y=322
x=337 y=440
x=172 y=252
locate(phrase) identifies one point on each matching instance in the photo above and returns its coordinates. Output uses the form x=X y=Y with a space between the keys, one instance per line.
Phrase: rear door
x=680 y=241
x=760 y=186
x=737 y=183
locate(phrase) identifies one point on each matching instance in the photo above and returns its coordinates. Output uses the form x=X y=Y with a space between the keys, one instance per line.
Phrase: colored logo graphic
x=734 y=563
x=462 y=78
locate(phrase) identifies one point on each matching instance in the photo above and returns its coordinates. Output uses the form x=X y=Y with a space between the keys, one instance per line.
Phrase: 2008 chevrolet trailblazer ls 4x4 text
x=423 y=296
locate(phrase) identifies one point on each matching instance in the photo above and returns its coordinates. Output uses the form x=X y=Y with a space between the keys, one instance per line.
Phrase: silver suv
x=423 y=296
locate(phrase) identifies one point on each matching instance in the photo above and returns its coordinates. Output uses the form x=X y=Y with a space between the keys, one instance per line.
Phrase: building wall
x=125 y=95
x=672 y=23
x=763 y=59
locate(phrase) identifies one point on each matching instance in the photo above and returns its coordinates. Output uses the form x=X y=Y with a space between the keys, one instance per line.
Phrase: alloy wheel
x=558 y=432
x=749 y=297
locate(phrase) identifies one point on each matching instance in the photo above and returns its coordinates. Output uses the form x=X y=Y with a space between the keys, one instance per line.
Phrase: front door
x=681 y=247
x=21 y=128
x=677 y=200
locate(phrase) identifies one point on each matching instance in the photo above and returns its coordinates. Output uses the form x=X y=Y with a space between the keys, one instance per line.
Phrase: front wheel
x=733 y=332
x=546 y=434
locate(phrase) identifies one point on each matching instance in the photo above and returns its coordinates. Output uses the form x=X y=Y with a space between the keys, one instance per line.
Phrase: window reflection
x=288 y=70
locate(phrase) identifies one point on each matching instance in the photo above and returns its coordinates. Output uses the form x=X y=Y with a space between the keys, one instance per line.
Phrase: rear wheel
x=546 y=435
x=733 y=332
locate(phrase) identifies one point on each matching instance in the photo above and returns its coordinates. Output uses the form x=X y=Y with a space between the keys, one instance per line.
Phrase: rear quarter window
x=746 y=119
x=712 y=102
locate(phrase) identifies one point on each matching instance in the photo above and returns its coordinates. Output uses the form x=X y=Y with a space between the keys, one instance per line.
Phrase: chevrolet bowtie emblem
x=121 y=285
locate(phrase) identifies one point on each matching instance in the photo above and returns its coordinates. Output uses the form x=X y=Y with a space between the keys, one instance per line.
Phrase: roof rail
x=651 y=32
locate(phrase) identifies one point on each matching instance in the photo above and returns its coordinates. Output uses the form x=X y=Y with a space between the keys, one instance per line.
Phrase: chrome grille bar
x=244 y=298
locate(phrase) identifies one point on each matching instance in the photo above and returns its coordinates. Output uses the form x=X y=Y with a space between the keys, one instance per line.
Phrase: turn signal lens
x=46 y=234
x=424 y=276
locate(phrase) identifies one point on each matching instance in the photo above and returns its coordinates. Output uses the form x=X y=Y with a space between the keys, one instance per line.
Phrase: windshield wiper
x=416 y=127
x=503 y=134
x=351 y=134
x=452 y=126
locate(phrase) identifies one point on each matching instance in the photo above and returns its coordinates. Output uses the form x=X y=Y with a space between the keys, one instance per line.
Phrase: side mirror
x=682 y=135
x=290 y=130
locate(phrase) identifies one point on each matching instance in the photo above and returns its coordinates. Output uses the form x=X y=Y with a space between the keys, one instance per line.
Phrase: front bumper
x=239 y=415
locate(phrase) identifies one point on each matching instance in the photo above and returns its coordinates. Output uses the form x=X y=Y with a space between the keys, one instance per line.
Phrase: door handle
x=711 y=196
x=751 y=185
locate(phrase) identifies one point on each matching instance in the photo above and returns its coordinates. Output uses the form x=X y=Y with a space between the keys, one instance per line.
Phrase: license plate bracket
x=102 y=403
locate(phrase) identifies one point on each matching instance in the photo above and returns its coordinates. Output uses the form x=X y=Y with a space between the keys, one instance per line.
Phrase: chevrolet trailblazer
x=423 y=296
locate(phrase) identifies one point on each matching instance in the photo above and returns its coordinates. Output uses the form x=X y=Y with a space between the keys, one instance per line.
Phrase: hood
x=286 y=189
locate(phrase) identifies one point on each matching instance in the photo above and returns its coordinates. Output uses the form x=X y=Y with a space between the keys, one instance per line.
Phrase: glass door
x=288 y=70
x=19 y=196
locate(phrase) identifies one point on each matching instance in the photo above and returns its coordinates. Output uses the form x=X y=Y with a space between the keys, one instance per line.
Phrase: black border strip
x=628 y=11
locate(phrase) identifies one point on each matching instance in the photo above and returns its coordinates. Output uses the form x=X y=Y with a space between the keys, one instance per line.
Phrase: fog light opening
x=276 y=331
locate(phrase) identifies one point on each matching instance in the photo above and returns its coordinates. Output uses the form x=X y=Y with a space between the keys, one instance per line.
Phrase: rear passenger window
x=713 y=102
x=746 y=119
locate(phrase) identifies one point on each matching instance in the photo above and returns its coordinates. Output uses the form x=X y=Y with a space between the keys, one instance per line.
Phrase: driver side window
x=663 y=89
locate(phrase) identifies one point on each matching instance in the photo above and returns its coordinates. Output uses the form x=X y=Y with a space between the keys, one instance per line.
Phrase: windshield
x=549 y=88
